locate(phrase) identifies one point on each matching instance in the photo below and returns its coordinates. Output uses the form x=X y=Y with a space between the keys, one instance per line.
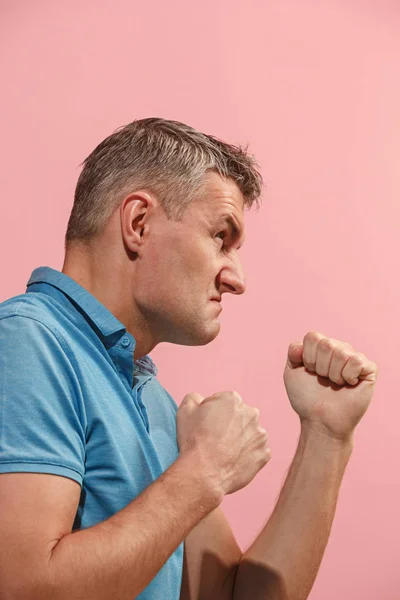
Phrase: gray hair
x=167 y=158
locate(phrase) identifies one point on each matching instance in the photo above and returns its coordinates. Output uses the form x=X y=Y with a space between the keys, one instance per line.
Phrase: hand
x=329 y=383
x=226 y=435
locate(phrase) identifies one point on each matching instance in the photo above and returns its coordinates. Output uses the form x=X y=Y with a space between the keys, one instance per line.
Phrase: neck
x=108 y=279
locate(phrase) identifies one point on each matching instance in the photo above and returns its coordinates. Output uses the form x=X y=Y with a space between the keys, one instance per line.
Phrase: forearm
x=119 y=557
x=283 y=561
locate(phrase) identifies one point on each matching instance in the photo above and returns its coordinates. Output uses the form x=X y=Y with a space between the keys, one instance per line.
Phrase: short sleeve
x=42 y=419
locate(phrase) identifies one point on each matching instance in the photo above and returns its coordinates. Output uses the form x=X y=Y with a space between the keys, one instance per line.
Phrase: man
x=107 y=490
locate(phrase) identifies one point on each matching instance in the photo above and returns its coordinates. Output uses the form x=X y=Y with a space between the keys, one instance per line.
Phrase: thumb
x=295 y=355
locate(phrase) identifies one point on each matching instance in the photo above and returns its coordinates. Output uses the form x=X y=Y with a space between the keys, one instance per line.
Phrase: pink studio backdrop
x=314 y=88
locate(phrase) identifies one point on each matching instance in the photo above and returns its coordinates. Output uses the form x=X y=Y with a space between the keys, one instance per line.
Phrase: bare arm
x=41 y=559
x=210 y=560
x=283 y=561
x=330 y=396
x=330 y=386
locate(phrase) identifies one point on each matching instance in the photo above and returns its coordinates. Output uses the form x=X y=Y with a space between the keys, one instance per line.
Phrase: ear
x=135 y=212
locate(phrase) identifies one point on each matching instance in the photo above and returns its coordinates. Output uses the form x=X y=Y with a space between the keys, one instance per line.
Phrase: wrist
x=325 y=437
x=202 y=478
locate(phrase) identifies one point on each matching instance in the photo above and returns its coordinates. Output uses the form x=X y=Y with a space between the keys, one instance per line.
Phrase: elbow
x=259 y=582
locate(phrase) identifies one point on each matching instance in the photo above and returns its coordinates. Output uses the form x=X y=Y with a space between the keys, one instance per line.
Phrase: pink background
x=314 y=87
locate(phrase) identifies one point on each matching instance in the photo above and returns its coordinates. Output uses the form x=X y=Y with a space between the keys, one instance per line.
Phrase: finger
x=359 y=368
x=193 y=397
x=310 y=349
x=231 y=395
x=262 y=437
x=340 y=358
x=369 y=371
x=325 y=350
x=332 y=356
x=347 y=344
x=253 y=413
x=295 y=355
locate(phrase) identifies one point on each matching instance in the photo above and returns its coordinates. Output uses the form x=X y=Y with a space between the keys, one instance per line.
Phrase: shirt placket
x=137 y=398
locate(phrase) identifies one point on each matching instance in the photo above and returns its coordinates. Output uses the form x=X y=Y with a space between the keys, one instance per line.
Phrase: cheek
x=180 y=263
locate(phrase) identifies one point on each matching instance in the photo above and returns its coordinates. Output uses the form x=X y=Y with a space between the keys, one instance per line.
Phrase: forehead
x=219 y=197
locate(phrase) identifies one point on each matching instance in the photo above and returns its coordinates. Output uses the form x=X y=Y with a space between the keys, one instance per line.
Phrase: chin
x=207 y=336
x=198 y=338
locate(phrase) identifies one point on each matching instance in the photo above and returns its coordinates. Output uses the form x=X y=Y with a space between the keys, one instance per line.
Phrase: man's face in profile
x=189 y=264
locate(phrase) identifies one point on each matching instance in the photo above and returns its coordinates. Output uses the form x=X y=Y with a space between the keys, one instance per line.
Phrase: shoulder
x=37 y=369
x=29 y=316
x=32 y=345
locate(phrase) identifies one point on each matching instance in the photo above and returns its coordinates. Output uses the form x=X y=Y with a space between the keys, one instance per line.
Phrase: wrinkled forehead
x=218 y=195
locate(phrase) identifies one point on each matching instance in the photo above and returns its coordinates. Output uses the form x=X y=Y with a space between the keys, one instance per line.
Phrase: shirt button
x=125 y=341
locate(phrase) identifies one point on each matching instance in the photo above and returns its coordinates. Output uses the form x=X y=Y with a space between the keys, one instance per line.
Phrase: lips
x=216 y=301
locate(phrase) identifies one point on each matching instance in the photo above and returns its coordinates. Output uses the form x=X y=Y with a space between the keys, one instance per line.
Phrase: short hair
x=168 y=158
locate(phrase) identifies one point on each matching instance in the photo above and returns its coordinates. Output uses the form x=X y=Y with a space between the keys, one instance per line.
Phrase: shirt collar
x=109 y=329
x=106 y=325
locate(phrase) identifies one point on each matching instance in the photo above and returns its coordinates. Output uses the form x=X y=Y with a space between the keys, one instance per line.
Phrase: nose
x=231 y=279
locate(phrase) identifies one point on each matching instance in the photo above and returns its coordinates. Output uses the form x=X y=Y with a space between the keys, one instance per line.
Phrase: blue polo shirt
x=73 y=403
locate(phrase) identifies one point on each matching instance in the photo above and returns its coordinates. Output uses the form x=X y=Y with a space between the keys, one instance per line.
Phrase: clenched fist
x=226 y=435
x=329 y=383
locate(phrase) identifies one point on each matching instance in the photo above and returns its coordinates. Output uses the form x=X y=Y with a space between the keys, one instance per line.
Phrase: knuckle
x=343 y=354
x=234 y=397
x=313 y=336
x=357 y=359
x=187 y=402
x=326 y=344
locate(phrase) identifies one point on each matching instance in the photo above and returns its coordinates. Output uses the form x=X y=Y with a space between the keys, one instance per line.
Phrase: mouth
x=216 y=302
